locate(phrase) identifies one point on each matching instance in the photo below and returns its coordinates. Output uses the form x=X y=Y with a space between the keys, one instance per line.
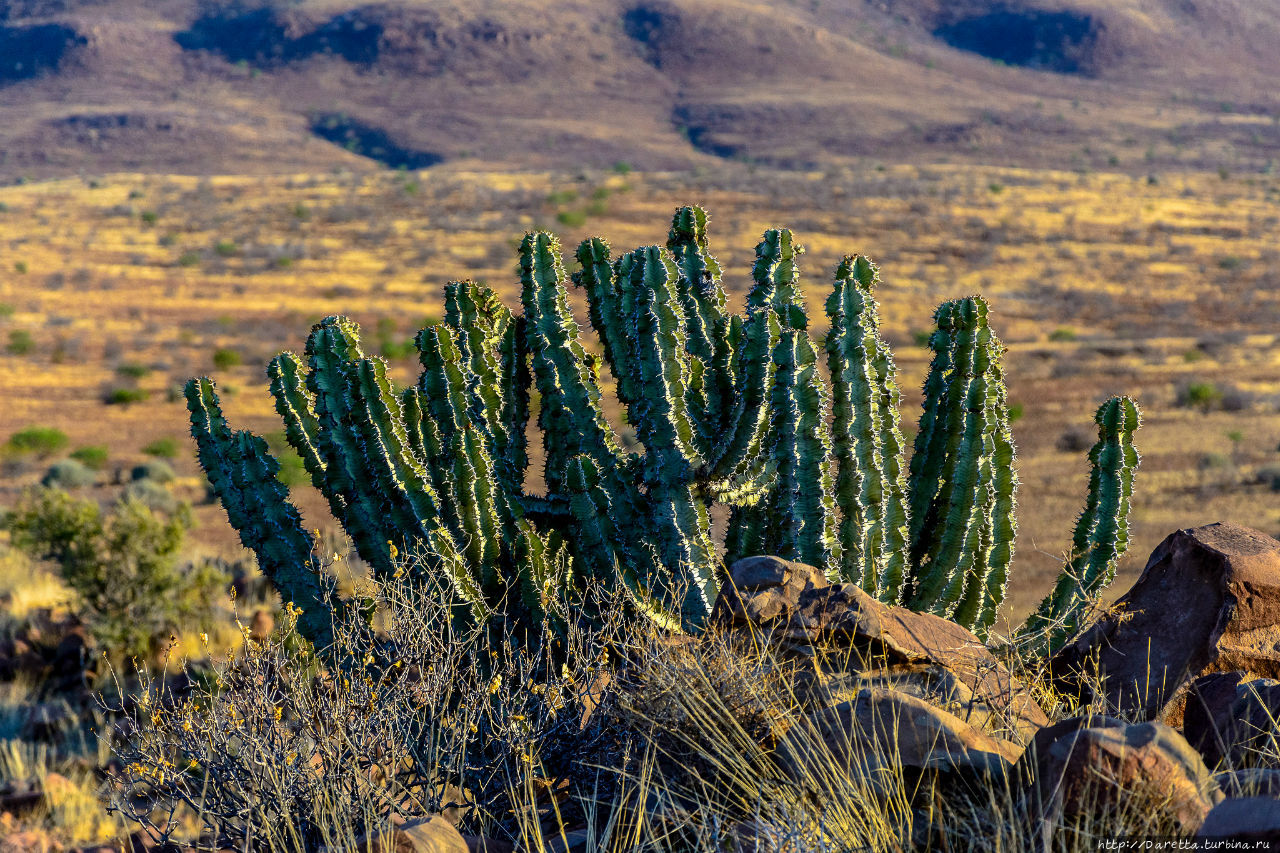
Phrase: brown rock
x=1208 y=601
x=886 y=729
x=1236 y=725
x=1146 y=767
x=853 y=634
x=761 y=589
x=1244 y=819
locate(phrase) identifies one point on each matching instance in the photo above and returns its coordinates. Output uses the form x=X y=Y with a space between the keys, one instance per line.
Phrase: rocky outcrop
x=861 y=643
x=1208 y=601
x=1095 y=764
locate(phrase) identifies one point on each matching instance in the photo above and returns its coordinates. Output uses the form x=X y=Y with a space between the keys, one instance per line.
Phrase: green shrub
x=188 y=259
x=20 y=342
x=42 y=441
x=123 y=566
x=20 y=267
x=1062 y=334
x=69 y=474
x=166 y=447
x=132 y=369
x=225 y=358
x=150 y=217
x=1199 y=395
x=572 y=218
x=622 y=167
x=226 y=249
x=93 y=456
x=125 y=396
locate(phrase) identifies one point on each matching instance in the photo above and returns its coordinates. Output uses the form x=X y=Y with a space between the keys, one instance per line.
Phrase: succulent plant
x=432 y=480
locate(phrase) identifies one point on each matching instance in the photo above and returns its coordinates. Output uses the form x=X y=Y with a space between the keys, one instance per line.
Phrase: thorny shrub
x=281 y=749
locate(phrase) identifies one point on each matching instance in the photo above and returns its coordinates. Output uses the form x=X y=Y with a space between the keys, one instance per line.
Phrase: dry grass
x=1100 y=283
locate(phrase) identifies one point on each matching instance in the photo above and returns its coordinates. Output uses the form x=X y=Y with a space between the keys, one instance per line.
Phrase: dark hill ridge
x=182 y=86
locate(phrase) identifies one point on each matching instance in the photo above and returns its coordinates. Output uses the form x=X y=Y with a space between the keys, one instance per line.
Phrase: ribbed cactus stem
x=961 y=486
x=796 y=519
x=571 y=415
x=492 y=344
x=242 y=473
x=870 y=488
x=1102 y=532
x=709 y=327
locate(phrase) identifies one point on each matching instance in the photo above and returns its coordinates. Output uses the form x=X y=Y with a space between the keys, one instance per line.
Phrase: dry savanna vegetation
x=116 y=289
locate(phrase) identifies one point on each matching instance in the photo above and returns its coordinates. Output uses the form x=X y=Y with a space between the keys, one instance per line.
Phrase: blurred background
x=185 y=187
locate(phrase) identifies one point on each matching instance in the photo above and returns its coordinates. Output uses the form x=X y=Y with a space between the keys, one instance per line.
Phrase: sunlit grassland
x=1100 y=283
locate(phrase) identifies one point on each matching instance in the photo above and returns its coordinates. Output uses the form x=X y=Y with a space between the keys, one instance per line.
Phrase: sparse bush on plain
x=155 y=470
x=38 y=440
x=93 y=456
x=125 y=396
x=226 y=358
x=20 y=342
x=69 y=474
x=1199 y=395
x=165 y=447
x=123 y=566
x=153 y=495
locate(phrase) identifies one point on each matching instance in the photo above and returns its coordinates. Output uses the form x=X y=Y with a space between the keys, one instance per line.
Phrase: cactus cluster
x=726 y=408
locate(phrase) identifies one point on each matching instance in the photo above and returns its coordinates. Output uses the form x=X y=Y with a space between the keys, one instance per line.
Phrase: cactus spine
x=1102 y=531
x=726 y=408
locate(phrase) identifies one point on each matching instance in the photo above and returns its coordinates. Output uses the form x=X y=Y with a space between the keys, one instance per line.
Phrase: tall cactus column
x=1102 y=531
x=796 y=518
x=962 y=483
x=870 y=482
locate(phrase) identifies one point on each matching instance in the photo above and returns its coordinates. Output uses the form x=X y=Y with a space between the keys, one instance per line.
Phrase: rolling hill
x=175 y=86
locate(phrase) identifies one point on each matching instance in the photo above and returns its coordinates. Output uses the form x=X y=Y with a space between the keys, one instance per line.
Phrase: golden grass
x=1100 y=283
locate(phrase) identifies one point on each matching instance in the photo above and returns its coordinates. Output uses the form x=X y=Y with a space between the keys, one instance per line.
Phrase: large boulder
x=1232 y=719
x=858 y=642
x=1094 y=764
x=1208 y=601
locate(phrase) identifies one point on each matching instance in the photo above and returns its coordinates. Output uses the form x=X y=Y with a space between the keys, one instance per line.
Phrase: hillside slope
x=180 y=86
